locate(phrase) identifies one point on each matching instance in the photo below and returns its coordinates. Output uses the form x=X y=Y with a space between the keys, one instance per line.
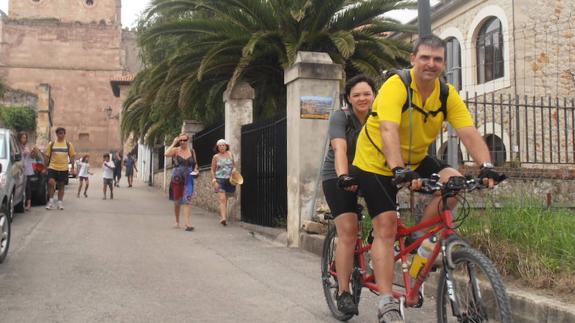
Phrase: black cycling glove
x=490 y=173
x=403 y=175
x=345 y=180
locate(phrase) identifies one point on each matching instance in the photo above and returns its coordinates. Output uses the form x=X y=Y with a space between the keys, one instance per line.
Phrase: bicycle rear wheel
x=478 y=292
x=329 y=281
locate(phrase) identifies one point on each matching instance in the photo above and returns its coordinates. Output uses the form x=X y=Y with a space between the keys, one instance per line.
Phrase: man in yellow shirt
x=58 y=154
x=392 y=148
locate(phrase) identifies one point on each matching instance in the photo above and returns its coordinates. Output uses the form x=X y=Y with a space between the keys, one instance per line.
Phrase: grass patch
x=528 y=242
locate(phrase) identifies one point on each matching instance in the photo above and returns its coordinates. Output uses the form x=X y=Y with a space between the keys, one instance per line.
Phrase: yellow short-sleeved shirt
x=59 y=153
x=387 y=107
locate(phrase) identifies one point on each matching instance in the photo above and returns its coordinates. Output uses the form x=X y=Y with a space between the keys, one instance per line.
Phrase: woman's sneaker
x=345 y=304
x=390 y=312
x=60 y=205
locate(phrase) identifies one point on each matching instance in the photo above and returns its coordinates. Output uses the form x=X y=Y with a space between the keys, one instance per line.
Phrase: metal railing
x=525 y=130
x=264 y=168
x=205 y=141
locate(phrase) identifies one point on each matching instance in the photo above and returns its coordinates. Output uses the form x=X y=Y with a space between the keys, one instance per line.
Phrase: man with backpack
x=58 y=154
x=407 y=116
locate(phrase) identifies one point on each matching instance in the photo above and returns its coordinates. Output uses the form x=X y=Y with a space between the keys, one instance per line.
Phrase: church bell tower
x=106 y=12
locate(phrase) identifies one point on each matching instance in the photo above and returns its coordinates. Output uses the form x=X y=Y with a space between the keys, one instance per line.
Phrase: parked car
x=12 y=186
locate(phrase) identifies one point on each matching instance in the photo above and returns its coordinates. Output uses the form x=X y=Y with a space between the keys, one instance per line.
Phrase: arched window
x=490 y=51
x=453 y=57
x=90 y=2
x=496 y=148
x=443 y=153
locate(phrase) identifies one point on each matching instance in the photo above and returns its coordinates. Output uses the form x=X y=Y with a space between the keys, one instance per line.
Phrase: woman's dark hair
x=353 y=82
x=85 y=157
x=20 y=135
x=216 y=148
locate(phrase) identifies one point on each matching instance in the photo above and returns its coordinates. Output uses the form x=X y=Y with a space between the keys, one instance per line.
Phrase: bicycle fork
x=448 y=265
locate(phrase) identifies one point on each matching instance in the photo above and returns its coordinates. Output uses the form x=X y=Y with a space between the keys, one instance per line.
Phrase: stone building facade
x=515 y=60
x=77 y=48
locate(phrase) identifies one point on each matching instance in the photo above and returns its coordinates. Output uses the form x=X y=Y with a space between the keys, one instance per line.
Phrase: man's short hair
x=60 y=129
x=430 y=41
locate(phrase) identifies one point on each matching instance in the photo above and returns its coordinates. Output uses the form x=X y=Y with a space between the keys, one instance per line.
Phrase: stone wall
x=19 y=98
x=78 y=62
x=539 y=41
x=95 y=11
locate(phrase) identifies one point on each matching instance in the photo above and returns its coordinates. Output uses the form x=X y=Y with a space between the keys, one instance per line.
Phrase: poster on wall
x=315 y=107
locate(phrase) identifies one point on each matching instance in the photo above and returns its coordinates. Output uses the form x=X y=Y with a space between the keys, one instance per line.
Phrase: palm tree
x=195 y=49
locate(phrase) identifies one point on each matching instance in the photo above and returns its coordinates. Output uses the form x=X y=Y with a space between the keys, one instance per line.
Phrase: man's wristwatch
x=486 y=165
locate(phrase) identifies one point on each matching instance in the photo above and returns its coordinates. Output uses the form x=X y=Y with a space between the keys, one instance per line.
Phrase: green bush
x=18 y=118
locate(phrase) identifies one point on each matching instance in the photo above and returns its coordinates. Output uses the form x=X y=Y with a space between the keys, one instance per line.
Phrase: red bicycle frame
x=442 y=223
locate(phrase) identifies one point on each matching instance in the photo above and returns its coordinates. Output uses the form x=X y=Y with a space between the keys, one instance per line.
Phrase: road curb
x=527 y=307
x=275 y=234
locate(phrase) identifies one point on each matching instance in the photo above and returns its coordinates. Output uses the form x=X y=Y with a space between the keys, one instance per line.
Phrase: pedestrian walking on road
x=29 y=157
x=57 y=156
x=222 y=167
x=117 y=159
x=130 y=166
x=83 y=174
x=182 y=181
x=108 y=175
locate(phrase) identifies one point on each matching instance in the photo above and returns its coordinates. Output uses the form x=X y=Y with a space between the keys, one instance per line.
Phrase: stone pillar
x=238 y=112
x=44 y=117
x=313 y=84
x=192 y=127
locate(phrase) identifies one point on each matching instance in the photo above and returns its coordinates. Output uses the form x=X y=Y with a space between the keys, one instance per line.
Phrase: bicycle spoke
x=478 y=291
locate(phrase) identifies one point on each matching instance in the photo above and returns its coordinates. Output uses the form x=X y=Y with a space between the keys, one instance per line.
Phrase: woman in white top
x=83 y=168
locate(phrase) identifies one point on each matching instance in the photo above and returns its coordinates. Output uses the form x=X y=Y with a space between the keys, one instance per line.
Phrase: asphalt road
x=121 y=261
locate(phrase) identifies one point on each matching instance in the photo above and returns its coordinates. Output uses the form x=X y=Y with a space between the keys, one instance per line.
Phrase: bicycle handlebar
x=454 y=185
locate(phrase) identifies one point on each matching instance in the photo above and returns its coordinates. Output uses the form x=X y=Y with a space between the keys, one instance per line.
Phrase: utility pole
x=424 y=19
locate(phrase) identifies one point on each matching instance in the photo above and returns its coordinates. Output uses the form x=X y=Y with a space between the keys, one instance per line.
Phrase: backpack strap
x=405 y=76
x=51 y=145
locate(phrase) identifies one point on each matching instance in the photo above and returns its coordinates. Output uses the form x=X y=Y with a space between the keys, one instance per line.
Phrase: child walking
x=108 y=175
x=83 y=173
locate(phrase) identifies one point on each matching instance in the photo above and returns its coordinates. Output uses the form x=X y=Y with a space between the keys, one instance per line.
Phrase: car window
x=2 y=146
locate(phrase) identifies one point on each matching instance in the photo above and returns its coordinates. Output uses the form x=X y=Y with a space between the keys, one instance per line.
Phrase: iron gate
x=264 y=168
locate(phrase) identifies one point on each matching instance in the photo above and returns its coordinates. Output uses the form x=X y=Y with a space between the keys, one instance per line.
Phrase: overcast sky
x=132 y=8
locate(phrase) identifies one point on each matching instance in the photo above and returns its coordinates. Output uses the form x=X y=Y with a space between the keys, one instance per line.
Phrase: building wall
x=539 y=67
x=101 y=11
x=539 y=42
x=76 y=49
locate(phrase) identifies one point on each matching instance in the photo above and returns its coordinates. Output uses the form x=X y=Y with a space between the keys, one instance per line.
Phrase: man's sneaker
x=50 y=205
x=60 y=206
x=390 y=312
x=345 y=304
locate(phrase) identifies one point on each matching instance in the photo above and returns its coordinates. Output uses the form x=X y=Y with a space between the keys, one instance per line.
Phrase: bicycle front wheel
x=329 y=280
x=478 y=294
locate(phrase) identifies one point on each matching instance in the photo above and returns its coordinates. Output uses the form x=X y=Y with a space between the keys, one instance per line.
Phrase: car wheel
x=5 y=234
x=10 y=206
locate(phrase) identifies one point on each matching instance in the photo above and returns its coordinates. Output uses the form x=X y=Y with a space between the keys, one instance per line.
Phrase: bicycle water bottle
x=420 y=259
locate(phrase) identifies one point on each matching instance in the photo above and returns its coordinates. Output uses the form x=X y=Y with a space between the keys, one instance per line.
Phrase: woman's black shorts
x=339 y=200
